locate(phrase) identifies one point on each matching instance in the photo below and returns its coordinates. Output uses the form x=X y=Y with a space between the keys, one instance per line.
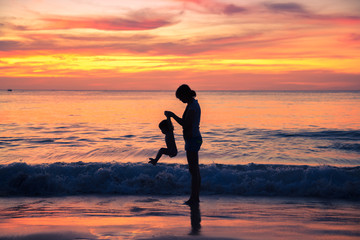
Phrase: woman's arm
x=175 y=117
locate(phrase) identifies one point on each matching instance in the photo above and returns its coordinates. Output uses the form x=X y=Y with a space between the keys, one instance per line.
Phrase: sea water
x=255 y=143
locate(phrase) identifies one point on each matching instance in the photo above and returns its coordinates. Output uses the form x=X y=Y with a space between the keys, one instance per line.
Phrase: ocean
x=274 y=165
x=256 y=143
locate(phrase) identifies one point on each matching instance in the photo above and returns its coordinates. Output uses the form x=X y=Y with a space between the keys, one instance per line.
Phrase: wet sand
x=159 y=217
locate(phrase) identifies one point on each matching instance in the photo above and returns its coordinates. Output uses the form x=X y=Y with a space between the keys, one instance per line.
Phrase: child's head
x=165 y=126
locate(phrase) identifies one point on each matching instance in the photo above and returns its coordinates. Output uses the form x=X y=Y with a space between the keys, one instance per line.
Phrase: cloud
x=9 y=45
x=130 y=43
x=28 y=44
x=143 y=19
x=212 y=7
x=105 y=23
x=300 y=11
x=233 y=9
x=336 y=19
x=286 y=7
x=135 y=38
x=8 y=25
x=354 y=37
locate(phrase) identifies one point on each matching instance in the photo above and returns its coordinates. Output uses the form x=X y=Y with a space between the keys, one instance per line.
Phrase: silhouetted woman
x=190 y=122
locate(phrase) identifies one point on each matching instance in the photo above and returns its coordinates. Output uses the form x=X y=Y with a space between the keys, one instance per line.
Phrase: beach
x=165 y=217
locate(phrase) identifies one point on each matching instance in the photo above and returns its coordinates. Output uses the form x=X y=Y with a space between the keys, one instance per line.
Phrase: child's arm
x=170 y=125
x=169 y=114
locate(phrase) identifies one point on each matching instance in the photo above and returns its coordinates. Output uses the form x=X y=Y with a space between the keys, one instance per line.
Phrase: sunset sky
x=159 y=44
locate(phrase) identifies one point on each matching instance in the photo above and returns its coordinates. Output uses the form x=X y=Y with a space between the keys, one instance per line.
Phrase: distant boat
x=9 y=90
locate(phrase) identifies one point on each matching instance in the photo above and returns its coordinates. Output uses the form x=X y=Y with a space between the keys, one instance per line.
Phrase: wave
x=331 y=134
x=61 y=179
x=353 y=147
x=352 y=135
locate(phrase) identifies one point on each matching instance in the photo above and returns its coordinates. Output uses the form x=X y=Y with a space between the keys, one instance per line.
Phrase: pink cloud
x=337 y=19
x=143 y=19
x=233 y=9
x=213 y=7
x=300 y=11
x=106 y=23
x=286 y=7
x=354 y=37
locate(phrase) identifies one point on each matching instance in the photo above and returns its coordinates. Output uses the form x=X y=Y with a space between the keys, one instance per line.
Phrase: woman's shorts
x=193 y=144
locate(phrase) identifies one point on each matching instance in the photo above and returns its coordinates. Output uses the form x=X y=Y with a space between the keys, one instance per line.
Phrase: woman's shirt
x=194 y=130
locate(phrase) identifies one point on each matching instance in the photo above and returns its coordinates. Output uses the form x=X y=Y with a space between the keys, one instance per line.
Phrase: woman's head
x=184 y=93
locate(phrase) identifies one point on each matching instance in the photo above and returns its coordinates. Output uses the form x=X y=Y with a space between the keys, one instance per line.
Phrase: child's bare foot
x=153 y=161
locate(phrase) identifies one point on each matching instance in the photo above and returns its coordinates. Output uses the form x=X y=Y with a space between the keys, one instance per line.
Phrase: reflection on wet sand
x=195 y=217
x=136 y=217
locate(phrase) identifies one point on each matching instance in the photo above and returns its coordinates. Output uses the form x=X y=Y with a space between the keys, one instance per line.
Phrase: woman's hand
x=169 y=114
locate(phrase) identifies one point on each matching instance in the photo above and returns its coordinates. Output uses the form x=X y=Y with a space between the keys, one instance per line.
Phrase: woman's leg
x=193 y=161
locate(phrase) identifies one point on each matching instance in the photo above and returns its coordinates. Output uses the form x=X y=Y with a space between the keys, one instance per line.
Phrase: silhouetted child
x=166 y=128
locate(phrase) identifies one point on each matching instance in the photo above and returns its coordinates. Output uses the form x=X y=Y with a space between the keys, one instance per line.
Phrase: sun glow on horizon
x=211 y=44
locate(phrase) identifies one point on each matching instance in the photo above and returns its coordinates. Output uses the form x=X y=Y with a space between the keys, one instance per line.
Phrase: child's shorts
x=193 y=144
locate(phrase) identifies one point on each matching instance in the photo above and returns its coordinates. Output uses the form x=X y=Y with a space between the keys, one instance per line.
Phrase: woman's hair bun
x=185 y=90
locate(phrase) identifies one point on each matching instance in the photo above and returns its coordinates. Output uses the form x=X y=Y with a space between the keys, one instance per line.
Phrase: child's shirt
x=170 y=144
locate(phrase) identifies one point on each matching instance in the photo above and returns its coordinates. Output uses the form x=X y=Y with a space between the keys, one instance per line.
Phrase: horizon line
x=203 y=90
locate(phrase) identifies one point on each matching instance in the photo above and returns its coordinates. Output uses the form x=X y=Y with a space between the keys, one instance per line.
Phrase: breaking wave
x=79 y=178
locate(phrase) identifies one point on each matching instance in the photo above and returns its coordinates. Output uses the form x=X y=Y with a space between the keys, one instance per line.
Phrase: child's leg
x=158 y=156
x=160 y=153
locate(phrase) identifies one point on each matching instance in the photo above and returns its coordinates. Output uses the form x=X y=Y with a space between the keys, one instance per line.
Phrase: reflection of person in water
x=166 y=128
x=190 y=122
x=195 y=218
